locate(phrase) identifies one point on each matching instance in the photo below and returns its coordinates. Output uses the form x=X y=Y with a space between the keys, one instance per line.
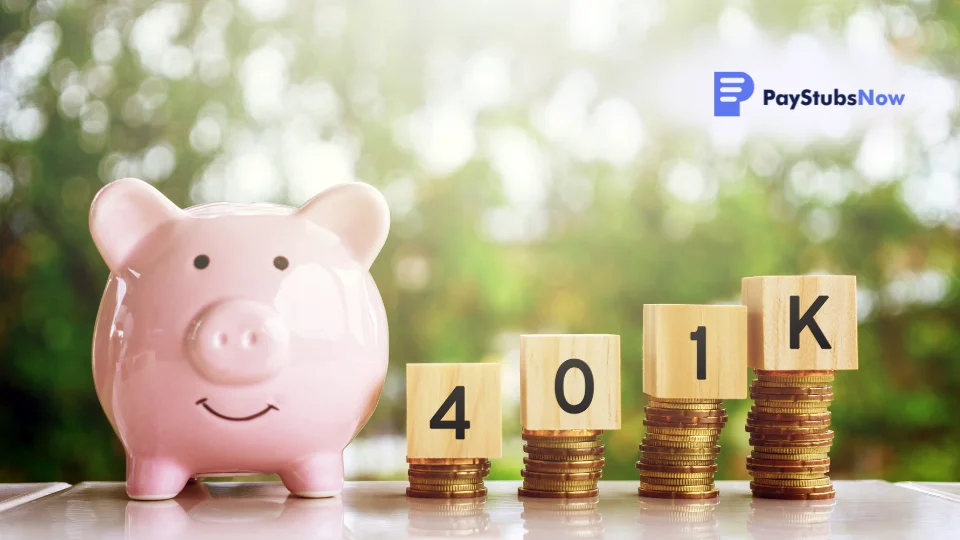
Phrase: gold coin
x=785 y=430
x=681 y=438
x=702 y=445
x=563 y=466
x=805 y=379
x=659 y=474
x=564 y=452
x=780 y=482
x=791 y=400
x=786 y=404
x=563 y=476
x=447 y=494
x=789 y=385
x=447 y=487
x=524 y=492
x=704 y=431
x=448 y=461
x=527 y=437
x=786 y=475
x=660 y=481
x=710 y=406
x=788 y=457
x=562 y=443
x=444 y=481
x=448 y=474
x=709 y=450
x=676 y=460
x=785 y=385
x=561 y=432
x=561 y=459
x=794 y=449
x=789 y=410
x=689 y=489
x=559 y=486
x=684 y=400
x=422 y=470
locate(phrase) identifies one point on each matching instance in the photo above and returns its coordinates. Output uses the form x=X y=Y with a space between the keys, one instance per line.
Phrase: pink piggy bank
x=238 y=339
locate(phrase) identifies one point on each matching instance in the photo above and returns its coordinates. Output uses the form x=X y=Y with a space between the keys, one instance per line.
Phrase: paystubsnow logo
x=731 y=88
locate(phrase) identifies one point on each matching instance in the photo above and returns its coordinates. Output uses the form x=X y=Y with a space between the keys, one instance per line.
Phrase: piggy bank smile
x=203 y=402
x=217 y=317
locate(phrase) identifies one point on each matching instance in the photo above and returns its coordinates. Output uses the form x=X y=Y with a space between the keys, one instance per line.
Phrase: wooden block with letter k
x=801 y=322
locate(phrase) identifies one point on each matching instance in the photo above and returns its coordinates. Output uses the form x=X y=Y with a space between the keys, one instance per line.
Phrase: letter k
x=798 y=323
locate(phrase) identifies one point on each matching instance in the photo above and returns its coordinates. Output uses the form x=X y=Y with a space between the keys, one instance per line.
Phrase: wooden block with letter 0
x=570 y=381
x=453 y=411
x=801 y=322
x=695 y=351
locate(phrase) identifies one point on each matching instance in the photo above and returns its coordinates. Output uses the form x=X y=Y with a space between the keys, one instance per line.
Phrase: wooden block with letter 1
x=694 y=351
x=570 y=381
x=801 y=322
x=453 y=411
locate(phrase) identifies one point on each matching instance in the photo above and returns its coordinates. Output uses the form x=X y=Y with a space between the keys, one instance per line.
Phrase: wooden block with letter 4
x=801 y=323
x=453 y=411
x=570 y=381
x=695 y=351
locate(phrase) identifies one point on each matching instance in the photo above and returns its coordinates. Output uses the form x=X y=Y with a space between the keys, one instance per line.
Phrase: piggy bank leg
x=154 y=479
x=318 y=476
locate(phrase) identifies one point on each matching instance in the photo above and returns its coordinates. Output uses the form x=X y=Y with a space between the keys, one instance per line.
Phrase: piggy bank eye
x=281 y=262
x=201 y=262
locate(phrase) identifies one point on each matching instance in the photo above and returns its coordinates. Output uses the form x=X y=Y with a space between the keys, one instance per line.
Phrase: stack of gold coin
x=789 y=428
x=447 y=478
x=562 y=463
x=679 y=451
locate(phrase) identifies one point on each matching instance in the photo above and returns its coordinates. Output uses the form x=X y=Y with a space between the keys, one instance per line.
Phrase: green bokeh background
x=607 y=236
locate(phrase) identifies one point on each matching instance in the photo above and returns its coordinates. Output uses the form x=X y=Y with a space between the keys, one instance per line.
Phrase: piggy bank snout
x=238 y=342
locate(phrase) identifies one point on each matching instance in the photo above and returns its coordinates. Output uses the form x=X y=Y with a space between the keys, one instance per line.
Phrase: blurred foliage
x=607 y=237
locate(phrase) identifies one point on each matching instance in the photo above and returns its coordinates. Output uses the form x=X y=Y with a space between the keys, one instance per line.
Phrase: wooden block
x=441 y=396
x=693 y=351
x=570 y=381
x=801 y=322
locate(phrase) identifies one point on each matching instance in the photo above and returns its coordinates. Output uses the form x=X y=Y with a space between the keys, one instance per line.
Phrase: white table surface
x=12 y=495
x=863 y=509
x=947 y=490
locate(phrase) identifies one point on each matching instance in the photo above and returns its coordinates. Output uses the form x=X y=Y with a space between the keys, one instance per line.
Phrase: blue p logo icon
x=730 y=88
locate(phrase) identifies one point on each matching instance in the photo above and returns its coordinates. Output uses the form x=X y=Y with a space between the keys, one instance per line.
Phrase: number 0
x=567 y=365
x=459 y=423
x=700 y=336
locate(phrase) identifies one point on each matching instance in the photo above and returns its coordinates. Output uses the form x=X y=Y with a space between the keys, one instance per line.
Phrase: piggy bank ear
x=123 y=213
x=357 y=213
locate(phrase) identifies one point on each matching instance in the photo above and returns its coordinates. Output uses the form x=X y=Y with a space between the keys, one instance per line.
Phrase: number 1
x=700 y=336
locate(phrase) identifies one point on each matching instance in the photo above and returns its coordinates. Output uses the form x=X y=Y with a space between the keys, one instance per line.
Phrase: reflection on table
x=101 y=510
x=550 y=519
x=682 y=519
x=790 y=519
x=449 y=517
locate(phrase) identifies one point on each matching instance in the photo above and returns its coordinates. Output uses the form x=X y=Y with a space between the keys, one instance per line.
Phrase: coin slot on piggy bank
x=695 y=351
x=570 y=382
